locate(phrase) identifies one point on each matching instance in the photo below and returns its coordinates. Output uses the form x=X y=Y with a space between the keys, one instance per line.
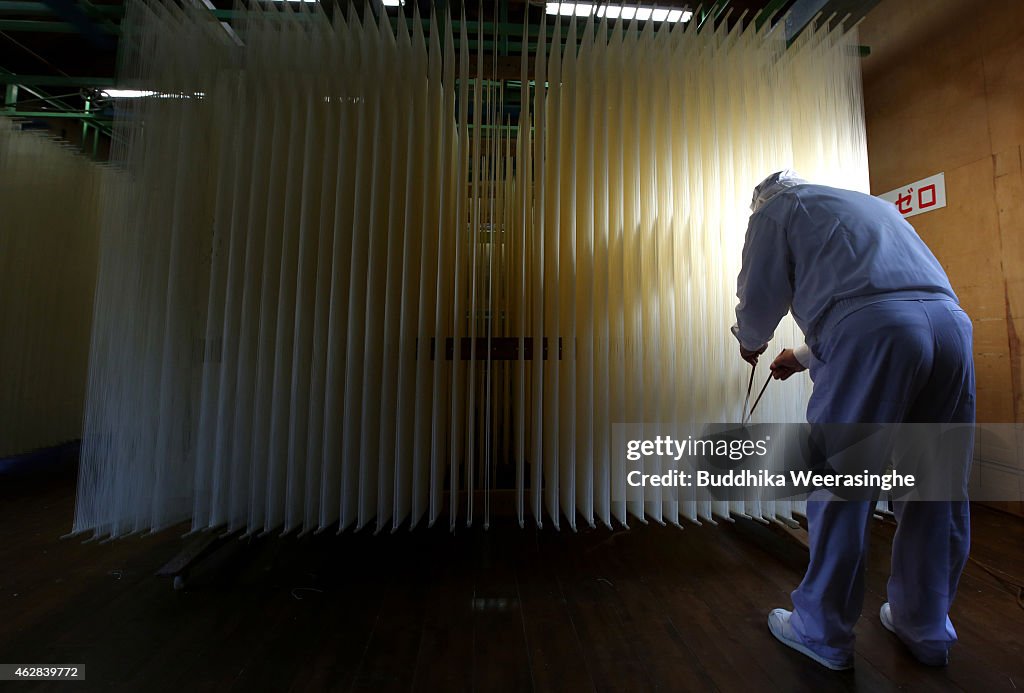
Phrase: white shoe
x=885 y=616
x=778 y=624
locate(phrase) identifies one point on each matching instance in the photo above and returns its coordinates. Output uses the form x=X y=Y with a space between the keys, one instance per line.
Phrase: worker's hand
x=751 y=356
x=785 y=365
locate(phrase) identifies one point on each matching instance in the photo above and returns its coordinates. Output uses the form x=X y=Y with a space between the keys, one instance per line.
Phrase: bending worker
x=886 y=342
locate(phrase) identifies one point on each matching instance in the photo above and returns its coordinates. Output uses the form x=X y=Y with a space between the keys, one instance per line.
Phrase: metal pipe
x=56 y=80
x=10 y=97
x=45 y=26
x=59 y=114
x=85 y=124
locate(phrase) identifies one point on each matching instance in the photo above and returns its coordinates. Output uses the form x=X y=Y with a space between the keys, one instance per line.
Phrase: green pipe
x=49 y=27
x=58 y=114
x=37 y=25
x=113 y=11
x=24 y=7
x=11 y=97
x=85 y=124
x=56 y=80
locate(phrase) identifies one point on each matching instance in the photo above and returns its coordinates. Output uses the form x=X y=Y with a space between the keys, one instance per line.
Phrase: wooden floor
x=651 y=608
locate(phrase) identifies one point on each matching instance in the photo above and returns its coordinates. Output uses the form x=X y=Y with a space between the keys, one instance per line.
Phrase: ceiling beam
x=38 y=25
x=56 y=80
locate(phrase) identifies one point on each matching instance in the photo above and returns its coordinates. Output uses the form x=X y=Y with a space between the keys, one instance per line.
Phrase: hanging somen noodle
x=343 y=291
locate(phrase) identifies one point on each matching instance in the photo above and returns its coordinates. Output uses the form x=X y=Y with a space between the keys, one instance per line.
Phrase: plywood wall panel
x=1015 y=330
x=944 y=91
x=990 y=336
x=898 y=30
x=965 y=235
x=926 y=119
x=934 y=71
x=995 y=403
x=1009 y=192
x=1004 y=88
x=1009 y=197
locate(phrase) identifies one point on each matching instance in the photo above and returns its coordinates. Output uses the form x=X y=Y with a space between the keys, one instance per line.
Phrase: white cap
x=773 y=185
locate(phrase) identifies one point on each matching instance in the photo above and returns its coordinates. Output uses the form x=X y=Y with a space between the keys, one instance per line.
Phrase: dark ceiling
x=60 y=53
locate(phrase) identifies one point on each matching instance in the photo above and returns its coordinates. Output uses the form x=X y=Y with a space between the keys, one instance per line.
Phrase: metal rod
x=59 y=114
x=24 y=7
x=56 y=80
x=85 y=125
x=43 y=26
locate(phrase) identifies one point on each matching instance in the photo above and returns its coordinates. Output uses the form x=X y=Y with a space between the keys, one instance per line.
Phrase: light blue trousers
x=893 y=361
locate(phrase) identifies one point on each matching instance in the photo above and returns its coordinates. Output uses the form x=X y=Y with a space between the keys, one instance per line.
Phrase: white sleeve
x=803 y=355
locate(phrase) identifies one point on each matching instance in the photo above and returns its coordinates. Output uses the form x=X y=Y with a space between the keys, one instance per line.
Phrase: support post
x=85 y=125
x=10 y=97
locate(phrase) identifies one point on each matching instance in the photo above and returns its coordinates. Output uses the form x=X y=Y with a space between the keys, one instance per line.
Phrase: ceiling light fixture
x=126 y=93
x=614 y=11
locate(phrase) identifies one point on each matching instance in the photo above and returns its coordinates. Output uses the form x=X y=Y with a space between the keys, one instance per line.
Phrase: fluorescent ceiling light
x=567 y=9
x=126 y=93
x=393 y=3
x=641 y=12
x=138 y=94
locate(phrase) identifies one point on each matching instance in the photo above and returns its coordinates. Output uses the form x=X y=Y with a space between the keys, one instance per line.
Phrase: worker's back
x=847 y=249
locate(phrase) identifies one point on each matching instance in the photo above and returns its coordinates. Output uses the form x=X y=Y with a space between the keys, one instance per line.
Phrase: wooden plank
x=680 y=597
x=445 y=657
x=390 y=658
x=557 y=658
x=752 y=585
x=1004 y=79
x=594 y=609
x=648 y=608
x=1009 y=192
x=501 y=659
